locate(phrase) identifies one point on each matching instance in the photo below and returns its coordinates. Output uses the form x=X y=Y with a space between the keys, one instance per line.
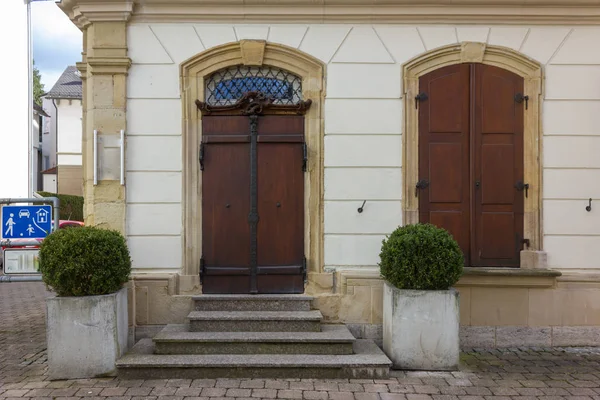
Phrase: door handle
x=421 y=184
x=477 y=184
x=520 y=186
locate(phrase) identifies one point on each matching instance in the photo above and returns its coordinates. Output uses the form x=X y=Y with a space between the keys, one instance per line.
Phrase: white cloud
x=57 y=42
x=52 y=25
x=49 y=78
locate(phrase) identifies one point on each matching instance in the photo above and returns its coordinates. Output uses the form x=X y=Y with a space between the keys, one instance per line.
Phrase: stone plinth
x=86 y=335
x=421 y=328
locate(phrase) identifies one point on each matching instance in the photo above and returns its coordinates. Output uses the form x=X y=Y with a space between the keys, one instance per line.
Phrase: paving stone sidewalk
x=511 y=374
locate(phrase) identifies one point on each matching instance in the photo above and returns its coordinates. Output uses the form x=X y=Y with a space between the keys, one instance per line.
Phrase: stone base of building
x=528 y=336
x=498 y=308
x=473 y=337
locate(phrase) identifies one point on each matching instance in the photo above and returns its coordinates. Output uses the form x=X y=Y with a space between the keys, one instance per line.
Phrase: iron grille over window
x=227 y=86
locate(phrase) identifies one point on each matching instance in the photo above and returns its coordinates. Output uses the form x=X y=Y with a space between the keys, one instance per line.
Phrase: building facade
x=270 y=148
x=62 y=135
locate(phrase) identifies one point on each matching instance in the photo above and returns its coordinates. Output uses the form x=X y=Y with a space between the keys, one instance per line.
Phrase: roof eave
x=62 y=97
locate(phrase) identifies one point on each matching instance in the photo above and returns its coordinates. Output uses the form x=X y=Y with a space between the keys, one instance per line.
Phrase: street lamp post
x=29 y=101
x=30 y=154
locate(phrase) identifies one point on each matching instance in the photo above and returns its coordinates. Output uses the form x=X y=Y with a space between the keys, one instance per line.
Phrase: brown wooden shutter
x=444 y=152
x=471 y=160
x=497 y=165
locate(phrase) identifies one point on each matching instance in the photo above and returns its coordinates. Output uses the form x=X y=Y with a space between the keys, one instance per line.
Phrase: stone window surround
x=192 y=79
x=505 y=58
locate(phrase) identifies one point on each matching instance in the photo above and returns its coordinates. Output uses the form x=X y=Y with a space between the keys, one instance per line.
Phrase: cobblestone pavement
x=511 y=374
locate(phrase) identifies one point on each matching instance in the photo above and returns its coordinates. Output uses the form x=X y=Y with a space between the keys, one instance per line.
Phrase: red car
x=61 y=225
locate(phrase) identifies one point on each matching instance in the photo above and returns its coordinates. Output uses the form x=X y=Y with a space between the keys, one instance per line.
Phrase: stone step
x=367 y=362
x=260 y=302
x=177 y=339
x=255 y=321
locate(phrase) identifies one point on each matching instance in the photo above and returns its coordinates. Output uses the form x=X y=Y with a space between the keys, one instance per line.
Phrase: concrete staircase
x=254 y=336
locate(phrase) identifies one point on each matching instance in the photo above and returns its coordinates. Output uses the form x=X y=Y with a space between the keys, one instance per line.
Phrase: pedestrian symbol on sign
x=10 y=223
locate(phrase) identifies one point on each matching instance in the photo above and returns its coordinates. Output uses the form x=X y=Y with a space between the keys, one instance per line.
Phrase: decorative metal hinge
x=420 y=97
x=422 y=184
x=202 y=269
x=304 y=271
x=201 y=157
x=304 y=156
x=520 y=186
x=520 y=241
x=519 y=99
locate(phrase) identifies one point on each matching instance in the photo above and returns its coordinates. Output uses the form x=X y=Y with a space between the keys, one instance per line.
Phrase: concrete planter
x=86 y=335
x=420 y=328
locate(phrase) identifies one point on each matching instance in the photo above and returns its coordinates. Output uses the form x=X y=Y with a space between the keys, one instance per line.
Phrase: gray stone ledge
x=576 y=335
x=510 y=272
x=474 y=336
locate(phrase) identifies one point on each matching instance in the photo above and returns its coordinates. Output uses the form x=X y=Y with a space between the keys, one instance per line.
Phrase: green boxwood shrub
x=421 y=257
x=71 y=207
x=85 y=261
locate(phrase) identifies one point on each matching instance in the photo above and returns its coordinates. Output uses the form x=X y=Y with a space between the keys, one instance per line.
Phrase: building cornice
x=85 y=12
x=108 y=65
x=562 y=12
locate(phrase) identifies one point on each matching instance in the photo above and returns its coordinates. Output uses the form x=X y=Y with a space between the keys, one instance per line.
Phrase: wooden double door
x=253 y=168
x=471 y=160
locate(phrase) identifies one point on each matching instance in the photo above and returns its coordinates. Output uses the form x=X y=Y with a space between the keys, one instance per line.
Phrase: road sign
x=26 y=222
x=21 y=261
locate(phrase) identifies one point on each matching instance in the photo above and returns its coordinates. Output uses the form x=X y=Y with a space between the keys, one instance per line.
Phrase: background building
x=39 y=121
x=62 y=135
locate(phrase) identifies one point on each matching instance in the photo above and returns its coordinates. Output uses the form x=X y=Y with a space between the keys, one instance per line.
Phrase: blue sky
x=57 y=43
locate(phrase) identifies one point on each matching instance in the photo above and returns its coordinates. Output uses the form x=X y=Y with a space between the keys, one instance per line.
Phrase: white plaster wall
x=49 y=136
x=49 y=184
x=363 y=128
x=69 y=132
x=69 y=159
x=154 y=176
x=35 y=147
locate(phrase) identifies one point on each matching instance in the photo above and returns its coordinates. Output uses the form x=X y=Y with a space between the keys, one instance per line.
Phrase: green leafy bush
x=421 y=257
x=71 y=207
x=85 y=261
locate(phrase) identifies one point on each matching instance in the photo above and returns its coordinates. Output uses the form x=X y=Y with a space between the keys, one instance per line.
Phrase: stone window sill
x=508 y=277
x=510 y=272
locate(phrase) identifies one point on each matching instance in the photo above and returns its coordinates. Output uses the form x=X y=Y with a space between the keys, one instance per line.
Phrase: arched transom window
x=227 y=86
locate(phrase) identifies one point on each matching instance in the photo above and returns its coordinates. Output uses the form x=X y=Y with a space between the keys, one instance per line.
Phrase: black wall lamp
x=360 y=209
